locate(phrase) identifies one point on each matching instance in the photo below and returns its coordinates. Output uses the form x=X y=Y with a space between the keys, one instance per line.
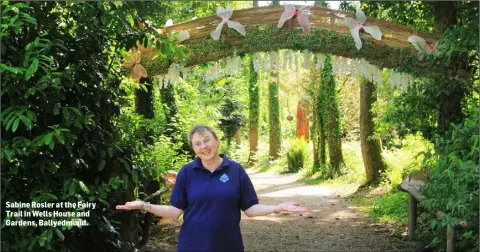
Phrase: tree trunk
x=254 y=110
x=274 y=116
x=144 y=99
x=144 y=106
x=371 y=151
x=238 y=139
x=255 y=4
x=330 y=115
x=314 y=91
x=449 y=102
x=334 y=143
x=167 y=94
x=315 y=141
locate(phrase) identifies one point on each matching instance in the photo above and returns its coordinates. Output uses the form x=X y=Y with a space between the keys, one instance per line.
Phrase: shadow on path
x=331 y=225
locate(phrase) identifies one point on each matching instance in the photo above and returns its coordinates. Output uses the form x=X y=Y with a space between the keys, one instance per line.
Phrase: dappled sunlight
x=263 y=218
x=300 y=190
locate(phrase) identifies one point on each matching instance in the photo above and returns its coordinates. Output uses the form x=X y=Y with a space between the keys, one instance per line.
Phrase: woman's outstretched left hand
x=291 y=207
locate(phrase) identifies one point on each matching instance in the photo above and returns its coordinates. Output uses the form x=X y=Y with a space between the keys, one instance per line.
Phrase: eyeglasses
x=200 y=144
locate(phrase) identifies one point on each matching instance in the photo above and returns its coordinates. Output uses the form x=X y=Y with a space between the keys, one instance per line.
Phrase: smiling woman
x=205 y=145
x=211 y=191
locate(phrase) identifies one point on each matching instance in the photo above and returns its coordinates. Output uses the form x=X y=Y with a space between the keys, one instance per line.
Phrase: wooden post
x=450 y=239
x=412 y=216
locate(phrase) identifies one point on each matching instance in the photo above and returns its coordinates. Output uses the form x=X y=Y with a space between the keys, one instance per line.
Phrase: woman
x=210 y=191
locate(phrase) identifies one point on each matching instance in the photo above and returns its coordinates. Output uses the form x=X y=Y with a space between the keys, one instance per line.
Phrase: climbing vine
x=270 y=38
x=274 y=118
x=253 y=94
x=319 y=108
x=330 y=115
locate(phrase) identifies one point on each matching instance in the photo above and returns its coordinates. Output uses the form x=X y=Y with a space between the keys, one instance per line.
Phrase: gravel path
x=331 y=225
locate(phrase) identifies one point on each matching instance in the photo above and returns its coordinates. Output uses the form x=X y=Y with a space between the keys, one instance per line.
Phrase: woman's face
x=205 y=146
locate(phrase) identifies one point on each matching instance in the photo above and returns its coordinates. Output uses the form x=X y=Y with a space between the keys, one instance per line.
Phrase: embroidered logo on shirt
x=224 y=178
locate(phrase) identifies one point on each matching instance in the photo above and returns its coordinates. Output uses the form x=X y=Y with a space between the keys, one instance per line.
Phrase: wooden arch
x=329 y=35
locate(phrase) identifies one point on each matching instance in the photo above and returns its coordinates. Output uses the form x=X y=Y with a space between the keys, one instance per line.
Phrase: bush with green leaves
x=296 y=154
x=62 y=137
x=453 y=186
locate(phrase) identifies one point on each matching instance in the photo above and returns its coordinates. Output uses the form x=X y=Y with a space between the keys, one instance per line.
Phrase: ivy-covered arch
x=329 y=35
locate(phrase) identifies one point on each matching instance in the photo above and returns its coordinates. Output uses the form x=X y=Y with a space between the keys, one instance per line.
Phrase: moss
x=271 y=38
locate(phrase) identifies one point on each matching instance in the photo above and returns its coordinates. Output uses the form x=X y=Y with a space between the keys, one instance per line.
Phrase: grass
x=352 y=173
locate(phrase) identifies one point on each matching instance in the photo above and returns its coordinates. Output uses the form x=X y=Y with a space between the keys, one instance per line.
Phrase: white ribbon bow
x=302 y=16
x=357 y=25
x=225 y=15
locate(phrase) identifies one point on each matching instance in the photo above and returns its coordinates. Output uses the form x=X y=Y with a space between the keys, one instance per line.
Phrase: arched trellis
x=329 y=35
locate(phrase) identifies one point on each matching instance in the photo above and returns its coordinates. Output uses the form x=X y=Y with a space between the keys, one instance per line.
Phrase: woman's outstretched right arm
x=169 y=212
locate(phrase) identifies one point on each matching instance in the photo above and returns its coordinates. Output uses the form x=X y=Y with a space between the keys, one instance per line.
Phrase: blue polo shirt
x=211 y=203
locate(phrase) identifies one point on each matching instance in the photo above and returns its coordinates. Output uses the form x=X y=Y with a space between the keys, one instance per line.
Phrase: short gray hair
x=202 y=129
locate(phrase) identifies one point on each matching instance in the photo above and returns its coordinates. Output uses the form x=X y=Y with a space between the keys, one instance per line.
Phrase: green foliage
x=391 y=208
x=319 y=108
x=403 y=159
x=330 y=100
x=406 y=113
x=253 y=94
x=453 y=185
x=168 y=155
x=63 y=138
x=274 y=118
x=413 y=14
x=296 y=154
x=271 y=38
x=232 y=120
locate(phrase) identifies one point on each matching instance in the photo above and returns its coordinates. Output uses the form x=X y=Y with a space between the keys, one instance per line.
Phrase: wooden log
x=450 y=239
x=417 y=195
x=412 y=216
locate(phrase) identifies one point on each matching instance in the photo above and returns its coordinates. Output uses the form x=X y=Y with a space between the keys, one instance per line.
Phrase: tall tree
x=371 y=150
x=331 y=117
x=274 y=115
x=253 y=108
x=315 y=96
x=449 y=102
x=320 y=127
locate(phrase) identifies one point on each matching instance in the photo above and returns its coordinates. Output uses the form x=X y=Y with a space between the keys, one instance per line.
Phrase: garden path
x=333 y=224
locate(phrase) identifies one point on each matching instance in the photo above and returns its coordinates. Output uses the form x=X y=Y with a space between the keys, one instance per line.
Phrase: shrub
x=453 y=186
x=296 y=154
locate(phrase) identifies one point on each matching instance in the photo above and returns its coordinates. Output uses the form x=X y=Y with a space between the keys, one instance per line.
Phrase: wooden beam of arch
x=393 y=34
x=329 y=36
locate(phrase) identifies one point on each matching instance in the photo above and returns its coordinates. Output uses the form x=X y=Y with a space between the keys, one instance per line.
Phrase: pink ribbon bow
x=420 y=44
x=138 y=70
x=301 y=14
x=356 y=26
